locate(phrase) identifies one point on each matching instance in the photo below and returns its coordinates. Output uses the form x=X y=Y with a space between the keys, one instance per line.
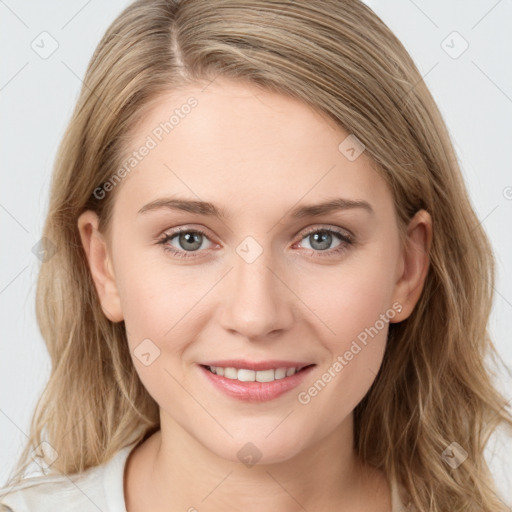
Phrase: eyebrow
x=209 y=209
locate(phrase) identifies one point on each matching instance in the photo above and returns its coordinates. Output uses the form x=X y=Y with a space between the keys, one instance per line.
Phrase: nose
x=258 y=303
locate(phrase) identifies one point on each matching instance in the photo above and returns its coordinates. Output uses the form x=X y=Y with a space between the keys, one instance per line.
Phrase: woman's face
x=261 y=283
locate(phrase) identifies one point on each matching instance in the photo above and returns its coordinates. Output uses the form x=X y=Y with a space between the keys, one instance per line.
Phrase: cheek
x=354 y=310
x=157 y=306
x=352 y=304
x=350 y=297
x=163 y=314
x=146 y=301
x=156 y=296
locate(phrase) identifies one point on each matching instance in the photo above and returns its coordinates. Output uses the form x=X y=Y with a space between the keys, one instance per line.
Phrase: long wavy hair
x=337 y=56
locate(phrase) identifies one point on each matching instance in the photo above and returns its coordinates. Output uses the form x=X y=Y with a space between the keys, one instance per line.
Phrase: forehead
x=238 y=145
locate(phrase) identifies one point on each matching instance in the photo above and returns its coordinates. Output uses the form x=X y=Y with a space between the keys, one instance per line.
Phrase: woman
x=270 y=288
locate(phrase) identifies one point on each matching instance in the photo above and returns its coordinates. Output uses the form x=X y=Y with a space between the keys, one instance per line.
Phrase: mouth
x=255 y=385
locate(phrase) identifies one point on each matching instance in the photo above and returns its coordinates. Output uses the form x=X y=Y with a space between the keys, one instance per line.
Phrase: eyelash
x=346 y=241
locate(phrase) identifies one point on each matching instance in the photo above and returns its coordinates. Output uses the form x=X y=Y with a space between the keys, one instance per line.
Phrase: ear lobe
x=100 y=265
x=414 y=264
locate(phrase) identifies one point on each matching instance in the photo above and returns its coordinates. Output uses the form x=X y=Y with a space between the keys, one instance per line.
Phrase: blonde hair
x=337 y=56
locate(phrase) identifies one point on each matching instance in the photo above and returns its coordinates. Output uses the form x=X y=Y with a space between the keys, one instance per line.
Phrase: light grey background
x=473 y=91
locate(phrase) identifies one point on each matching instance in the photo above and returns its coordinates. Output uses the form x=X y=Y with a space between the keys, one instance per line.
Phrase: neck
x=175 y=472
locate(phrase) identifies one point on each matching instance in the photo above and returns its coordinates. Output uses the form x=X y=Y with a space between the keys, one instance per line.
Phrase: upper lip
x=257 y=365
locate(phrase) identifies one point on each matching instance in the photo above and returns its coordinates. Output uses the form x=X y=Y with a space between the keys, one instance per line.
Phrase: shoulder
x=48 y=493
x=98 y=488
x=45 y=493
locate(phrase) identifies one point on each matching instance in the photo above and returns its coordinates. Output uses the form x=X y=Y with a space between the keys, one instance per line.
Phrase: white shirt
x=99 y=489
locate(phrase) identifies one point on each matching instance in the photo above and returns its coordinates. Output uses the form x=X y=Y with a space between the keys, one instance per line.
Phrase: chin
x=256 y=450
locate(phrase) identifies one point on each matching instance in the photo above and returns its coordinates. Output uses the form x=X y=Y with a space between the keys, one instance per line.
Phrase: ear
x=414 y=264
x=100 y=265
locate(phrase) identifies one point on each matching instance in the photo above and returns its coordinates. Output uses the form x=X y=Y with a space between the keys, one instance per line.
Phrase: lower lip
x=256 y=391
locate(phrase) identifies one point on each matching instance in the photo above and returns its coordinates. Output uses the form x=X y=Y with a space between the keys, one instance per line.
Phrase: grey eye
x=189 y=241
x=321 y=240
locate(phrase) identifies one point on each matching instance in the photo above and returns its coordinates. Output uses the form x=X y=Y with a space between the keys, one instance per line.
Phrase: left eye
x=322 y=239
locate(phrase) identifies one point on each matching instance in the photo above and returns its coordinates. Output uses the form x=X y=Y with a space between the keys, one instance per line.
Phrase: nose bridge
x=257 y=301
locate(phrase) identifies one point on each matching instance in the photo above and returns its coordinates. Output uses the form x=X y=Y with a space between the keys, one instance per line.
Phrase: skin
x=257 y=154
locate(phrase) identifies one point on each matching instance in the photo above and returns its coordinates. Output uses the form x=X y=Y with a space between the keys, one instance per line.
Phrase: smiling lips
x=255 y=381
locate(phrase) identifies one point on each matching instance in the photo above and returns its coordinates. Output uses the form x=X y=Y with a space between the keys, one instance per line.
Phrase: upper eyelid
x=335 y=229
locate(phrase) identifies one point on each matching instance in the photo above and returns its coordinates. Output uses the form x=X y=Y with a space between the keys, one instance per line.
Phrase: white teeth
x=244 y=375
x=280 y=373
x=265 y=376
x=229 y=373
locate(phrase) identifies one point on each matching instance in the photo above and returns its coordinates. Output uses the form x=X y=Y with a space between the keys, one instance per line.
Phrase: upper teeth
x=251 y=375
